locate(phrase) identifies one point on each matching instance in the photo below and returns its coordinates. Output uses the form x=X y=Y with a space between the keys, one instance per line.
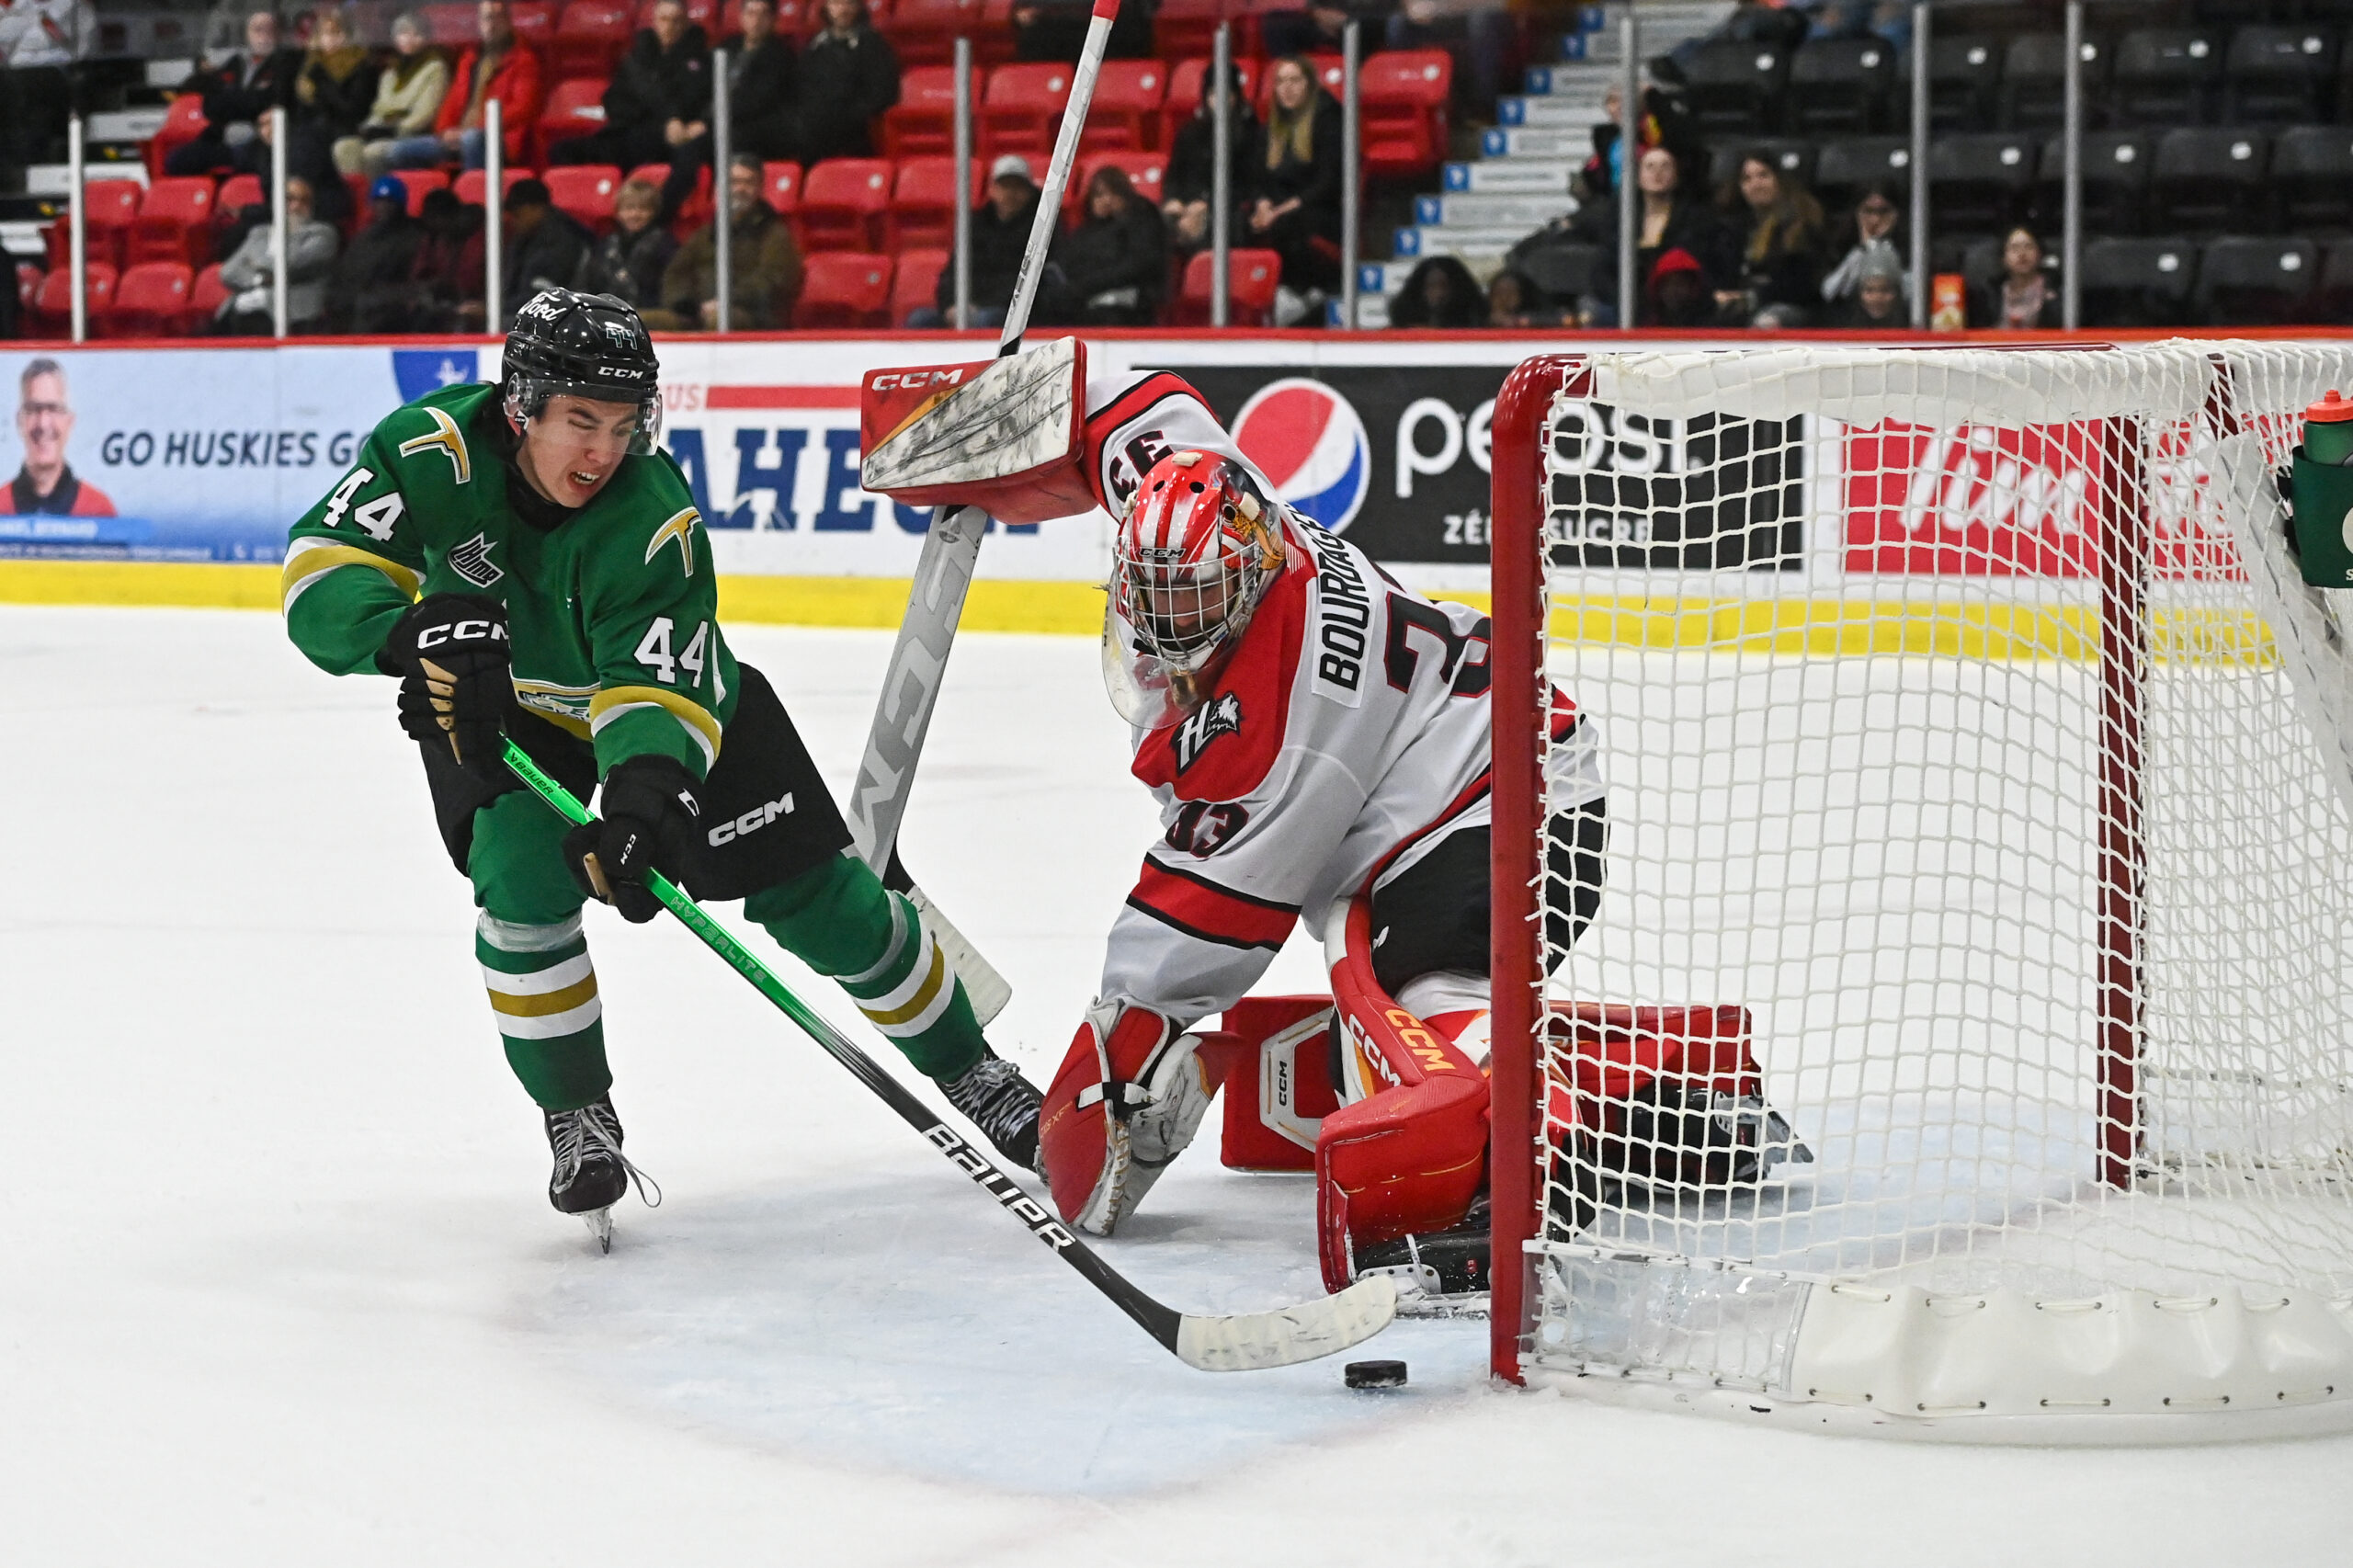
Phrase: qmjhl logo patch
x=1221 y=717
x=472 y=561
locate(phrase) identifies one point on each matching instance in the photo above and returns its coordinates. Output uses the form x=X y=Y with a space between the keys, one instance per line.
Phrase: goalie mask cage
x=1973 y=749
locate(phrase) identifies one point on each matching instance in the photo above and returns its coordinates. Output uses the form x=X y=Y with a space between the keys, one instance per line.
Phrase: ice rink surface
x=280 y=1285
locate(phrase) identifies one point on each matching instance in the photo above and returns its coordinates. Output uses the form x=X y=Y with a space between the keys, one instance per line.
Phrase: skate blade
x=600 y=1225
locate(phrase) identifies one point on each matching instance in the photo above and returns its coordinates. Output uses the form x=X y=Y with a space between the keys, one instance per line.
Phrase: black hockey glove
x=651 y=816
x=455 y=663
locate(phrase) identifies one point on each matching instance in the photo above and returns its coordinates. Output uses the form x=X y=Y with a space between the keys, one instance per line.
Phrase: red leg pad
x=1604 y=1055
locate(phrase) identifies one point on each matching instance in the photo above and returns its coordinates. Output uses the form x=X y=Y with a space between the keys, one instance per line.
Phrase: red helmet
x=1194 y=554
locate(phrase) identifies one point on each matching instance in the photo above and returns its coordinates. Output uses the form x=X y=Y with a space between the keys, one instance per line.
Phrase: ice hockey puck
x=1376 y=1374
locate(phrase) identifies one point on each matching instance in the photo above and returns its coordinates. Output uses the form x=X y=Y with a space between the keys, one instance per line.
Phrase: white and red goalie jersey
x=1349 y=732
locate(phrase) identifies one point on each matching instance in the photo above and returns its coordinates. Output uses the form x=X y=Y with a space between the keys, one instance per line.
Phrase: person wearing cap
x=376 y=264
x=1000 y=236
x=1678 y=293
x=848 y=77
x=545 y=245
x=1877 y=304
x=763 y=264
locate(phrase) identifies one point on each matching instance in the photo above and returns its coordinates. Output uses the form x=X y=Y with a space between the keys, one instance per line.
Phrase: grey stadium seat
x=2249 y=281
x=2311 y=184
x=2167 y=76
x=2138 y=283
x=2278 y=74
x=1839 y=84
x=2204 y=180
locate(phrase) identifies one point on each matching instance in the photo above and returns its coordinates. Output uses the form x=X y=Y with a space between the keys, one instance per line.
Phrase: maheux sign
x=1399 y=456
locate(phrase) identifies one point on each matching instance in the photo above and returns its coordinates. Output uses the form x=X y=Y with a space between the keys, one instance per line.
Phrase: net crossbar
x=1971 y=740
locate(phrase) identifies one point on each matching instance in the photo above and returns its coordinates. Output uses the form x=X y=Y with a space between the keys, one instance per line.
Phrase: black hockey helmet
x=590 y=346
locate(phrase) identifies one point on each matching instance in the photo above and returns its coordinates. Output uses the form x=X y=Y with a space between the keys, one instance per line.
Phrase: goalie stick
x=878 y=802
x=1240 y=1341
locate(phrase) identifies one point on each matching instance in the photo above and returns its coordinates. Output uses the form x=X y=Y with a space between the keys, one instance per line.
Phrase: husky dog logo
x=472 y=561
x=1223 y=717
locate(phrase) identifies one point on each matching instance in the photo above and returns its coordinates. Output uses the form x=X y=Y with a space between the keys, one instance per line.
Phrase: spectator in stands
x=40 y=42
x=545 y=246
x=1664 y=123
x=1315 y=29
x=1515 y=301
x=1115 y=263
x=1877 y=304
x=500 y=67
x=847 y=76
x=630 y=262
x=1777 y=225
x=760 y=85
x=408 y=96
x=374 y=269
x=2024 y=297
x=1047 y=30
x=333 y=91
x=1191 y=178
x=1293 y=202
x=657 y=106
x=1438 y=292
x=1000 y=234
x=445 y=283
x=1875 y=228
x=237 y=94
x=763 y=264
x=1669 y=220
x=310 y=247
x=1678 y=294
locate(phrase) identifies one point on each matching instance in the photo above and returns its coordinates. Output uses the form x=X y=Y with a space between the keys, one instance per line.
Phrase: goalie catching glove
x=650 y=813
x=1130 y=1095
x=455 y=665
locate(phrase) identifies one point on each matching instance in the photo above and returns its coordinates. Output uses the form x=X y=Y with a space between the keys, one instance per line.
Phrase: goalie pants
x=780 y=848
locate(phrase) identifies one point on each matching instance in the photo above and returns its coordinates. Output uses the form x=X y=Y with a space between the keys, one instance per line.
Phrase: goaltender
x=569 y=601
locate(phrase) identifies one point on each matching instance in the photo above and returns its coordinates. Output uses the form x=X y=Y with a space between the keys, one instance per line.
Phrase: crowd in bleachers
x=1773 y=179
x=842 y=203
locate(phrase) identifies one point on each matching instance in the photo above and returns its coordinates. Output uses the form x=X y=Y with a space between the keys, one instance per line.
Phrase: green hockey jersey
x=612 y=611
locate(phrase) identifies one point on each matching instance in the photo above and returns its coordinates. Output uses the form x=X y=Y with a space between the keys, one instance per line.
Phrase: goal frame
x=1520 y=689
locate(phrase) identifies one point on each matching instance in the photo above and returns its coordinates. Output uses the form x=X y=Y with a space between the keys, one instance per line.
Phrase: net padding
x=1945 y=733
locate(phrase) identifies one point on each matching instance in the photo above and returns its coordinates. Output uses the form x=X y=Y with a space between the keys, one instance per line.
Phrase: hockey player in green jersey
x=568 y=601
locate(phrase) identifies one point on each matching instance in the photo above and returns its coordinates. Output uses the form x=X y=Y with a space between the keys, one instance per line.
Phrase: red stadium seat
x=704 y=14
x=152 y=301
x=1252 y=276
x=53 y=305
x=175 y=223
x=923 y=32
x=923 y=202
x=695 y=210
x=1144 y=171
x=452 y=25
x=586 y=191
x=844 y=202
x=843 y=289
x=576 y=107
x=917 y=284
x=923 y=122
x=1019 y=109
x=590 y=36
x=205 y=298
x=1125 y=115
x=474 y=182
x=1402 y=98
x=534 y=22
x=420 y=182
x=237 y=193
x=183 y=123
x=1189 y=26
x=782 y=188
x=112 y=207
x=1185 y=93
x=28 y=285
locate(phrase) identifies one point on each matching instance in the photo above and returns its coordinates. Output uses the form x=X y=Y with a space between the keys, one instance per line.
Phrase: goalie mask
x=1194 y=554
x=590 y=346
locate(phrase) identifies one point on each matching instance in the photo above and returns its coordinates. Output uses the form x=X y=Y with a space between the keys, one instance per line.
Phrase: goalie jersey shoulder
x=1134 y=420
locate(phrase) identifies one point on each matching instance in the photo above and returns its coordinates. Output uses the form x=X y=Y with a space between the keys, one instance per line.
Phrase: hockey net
x=1976 y=772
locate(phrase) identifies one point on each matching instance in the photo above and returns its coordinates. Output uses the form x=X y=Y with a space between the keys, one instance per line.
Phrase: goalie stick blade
x=1252 y=1342
x=986 y=989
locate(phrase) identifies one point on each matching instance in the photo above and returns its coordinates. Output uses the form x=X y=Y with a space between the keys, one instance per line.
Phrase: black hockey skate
x=1446 y=1270
x=591 y=1174
x=998 y=1099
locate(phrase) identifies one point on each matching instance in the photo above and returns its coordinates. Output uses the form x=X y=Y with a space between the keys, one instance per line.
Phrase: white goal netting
x=1972 y=746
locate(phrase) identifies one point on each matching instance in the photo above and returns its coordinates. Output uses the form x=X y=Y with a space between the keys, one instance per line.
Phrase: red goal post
x=2147 y=472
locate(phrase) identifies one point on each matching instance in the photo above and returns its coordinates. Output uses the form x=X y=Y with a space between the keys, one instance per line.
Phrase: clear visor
x=1143 y=689
x=527 y=397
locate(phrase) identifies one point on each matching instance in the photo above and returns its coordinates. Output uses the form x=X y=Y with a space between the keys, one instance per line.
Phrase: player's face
x=575 y=445
x=44 y=421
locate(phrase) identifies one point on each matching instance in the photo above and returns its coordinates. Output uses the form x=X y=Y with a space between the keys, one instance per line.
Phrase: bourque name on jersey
x=1223 y=717
x=1341 y=628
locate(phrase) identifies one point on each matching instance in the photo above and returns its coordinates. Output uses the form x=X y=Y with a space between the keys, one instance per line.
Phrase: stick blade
x=1250 y=1342
x=986 y=989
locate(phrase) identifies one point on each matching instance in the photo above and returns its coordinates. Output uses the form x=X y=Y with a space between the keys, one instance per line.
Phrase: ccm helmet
x=590 y=346
x=1195 y=551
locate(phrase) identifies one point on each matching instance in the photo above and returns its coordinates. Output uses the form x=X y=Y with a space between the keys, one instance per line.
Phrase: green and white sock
x=543 y=993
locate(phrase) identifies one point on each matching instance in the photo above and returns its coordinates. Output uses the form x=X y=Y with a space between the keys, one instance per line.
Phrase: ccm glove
x=456 y=669
x=651 y=816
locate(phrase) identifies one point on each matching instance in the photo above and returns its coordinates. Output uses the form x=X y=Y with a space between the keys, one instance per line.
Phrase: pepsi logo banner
x=1398 y=456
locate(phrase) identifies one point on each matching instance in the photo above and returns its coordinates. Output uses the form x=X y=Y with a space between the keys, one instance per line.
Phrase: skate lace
x=595 y=1129
x=990 y=1096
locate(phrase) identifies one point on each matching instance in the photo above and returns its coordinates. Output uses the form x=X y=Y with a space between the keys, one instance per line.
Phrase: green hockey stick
x=1242 y=1342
